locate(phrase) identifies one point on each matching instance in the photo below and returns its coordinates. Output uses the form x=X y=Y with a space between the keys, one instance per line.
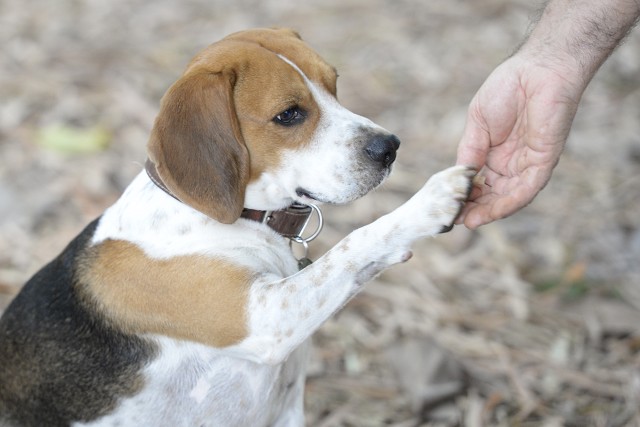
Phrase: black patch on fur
x=60 y=362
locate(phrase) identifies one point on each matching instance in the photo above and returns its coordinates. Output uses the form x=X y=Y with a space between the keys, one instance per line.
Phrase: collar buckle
x=290 y=222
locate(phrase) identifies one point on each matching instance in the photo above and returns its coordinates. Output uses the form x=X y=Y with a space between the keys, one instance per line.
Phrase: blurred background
x=531 y=321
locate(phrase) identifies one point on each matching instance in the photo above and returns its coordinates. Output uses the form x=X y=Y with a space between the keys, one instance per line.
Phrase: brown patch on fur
x=187 y=297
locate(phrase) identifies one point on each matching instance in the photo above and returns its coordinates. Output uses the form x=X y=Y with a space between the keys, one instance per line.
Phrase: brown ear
x=197 y=146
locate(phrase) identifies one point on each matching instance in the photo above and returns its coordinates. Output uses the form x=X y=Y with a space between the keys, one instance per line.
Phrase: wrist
x=570 y=73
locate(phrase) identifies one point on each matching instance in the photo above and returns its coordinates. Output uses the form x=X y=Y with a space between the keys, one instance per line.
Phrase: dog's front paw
x=442 y=198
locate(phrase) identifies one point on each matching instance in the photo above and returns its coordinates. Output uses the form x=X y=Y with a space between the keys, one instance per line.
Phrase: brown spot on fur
x=285 y=304
x=187 y=297
x=321 y=276
x=351 y=267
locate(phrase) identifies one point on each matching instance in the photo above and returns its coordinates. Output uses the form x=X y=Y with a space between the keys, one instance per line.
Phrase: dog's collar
x=153 y=175
x=289 y=222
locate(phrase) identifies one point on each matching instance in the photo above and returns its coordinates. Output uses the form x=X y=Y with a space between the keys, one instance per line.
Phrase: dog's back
x=59 y=361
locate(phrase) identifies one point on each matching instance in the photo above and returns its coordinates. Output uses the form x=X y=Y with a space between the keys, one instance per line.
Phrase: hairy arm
x=577 y=36
x=519 y=119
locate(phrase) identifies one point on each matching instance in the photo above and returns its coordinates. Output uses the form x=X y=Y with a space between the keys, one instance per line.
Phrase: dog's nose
x=382 y=149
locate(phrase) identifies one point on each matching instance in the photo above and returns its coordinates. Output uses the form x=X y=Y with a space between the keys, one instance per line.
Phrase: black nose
x=382 y=149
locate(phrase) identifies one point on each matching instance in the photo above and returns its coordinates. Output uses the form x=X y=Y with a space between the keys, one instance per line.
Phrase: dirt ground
x=531 y=321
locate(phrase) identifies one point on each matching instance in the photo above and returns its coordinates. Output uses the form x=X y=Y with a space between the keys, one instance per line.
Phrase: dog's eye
x=290 y=117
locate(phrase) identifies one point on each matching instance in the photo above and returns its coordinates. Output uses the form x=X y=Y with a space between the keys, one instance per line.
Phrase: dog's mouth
x=309 y=196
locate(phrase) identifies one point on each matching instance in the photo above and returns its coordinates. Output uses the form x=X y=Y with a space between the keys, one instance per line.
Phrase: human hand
x=517 y=125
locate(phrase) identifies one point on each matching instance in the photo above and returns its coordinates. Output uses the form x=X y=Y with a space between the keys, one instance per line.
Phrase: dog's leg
x=286 y=312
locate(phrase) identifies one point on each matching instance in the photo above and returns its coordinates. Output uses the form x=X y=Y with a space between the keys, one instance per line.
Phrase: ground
x=530 y=321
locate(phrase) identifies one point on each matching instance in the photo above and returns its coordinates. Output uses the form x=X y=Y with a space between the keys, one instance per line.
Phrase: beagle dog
x=183 y=304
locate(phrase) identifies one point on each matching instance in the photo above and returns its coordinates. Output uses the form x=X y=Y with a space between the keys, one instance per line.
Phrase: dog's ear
x=197 y=146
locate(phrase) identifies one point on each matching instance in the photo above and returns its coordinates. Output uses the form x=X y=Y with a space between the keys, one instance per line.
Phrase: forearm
x=574 y=37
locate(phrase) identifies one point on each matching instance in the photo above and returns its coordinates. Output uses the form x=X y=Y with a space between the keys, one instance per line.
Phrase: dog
x=183 y=303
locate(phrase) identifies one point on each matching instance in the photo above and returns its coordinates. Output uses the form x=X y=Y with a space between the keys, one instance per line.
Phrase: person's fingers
x=478 y=212
x=474 y=144
x=491 y=206
x=463 y=212
x=486 y=210
x=475 y=192
x=477 y=216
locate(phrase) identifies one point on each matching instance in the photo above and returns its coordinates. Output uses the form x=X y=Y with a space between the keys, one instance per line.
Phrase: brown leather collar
x=289 y=222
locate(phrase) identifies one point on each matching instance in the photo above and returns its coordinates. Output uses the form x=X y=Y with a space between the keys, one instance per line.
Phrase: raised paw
x=462 y=183
x=442 y=198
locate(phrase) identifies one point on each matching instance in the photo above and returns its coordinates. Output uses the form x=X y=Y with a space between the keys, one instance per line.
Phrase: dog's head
x=254 y=122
